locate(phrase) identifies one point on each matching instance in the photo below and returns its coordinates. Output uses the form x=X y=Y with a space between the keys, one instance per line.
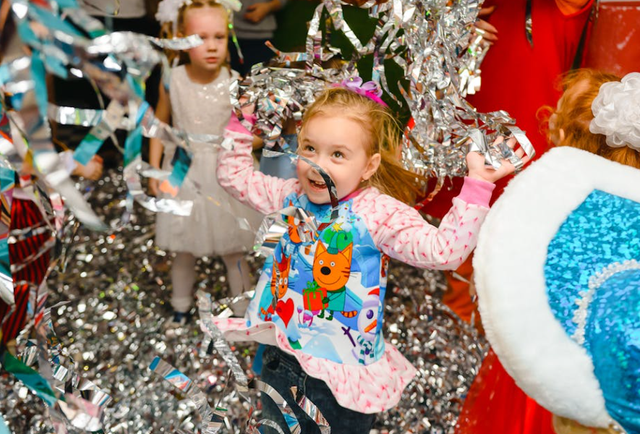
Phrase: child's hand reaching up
x=479 y=170
x=92 y=171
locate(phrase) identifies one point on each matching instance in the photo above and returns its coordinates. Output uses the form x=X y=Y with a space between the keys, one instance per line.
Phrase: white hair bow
x=168 y=9
x=616 y=112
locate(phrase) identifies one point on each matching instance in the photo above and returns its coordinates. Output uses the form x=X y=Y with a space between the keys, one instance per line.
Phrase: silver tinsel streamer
x=102 y=60
x=433 y=42
x=113 y=325
x=280 y=94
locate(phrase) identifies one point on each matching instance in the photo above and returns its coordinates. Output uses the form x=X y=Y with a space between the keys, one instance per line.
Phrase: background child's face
x=211 y=25
x=339 y=146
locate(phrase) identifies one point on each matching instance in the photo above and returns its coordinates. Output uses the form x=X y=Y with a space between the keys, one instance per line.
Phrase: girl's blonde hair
x=562 y=425
x=167 y=29
x=384 y=138
x=580 y=88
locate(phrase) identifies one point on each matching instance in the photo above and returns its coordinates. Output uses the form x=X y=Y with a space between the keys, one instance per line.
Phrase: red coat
x=519 y=78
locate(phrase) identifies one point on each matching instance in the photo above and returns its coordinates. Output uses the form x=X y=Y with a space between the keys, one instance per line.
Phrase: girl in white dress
x=199 y=104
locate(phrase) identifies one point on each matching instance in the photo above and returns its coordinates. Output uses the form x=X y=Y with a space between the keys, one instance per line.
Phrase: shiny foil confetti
x=312 y=411
x=279 y=94
x=441 y=60
x=113 y=325
x=117 y=63
x=446 y=351
x=275 y=225
x=435 y=44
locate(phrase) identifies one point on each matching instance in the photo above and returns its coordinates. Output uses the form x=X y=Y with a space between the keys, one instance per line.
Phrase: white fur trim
x=509 y=271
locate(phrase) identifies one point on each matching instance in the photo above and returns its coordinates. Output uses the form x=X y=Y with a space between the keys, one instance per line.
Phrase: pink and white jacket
x=322 y=301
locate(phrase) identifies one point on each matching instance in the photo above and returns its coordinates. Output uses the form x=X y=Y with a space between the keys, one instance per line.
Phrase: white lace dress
x=217 y=221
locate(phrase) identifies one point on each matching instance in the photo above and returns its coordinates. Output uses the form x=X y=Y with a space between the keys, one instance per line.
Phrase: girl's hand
x=489 y=32
x=92 y=171
x=479 y=170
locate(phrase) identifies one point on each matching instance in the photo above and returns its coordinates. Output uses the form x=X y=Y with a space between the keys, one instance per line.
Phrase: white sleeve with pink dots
x=237 y=176
x=400 y=231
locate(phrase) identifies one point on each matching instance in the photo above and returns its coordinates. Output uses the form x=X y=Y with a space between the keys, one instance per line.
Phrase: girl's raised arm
x=237 y=176
x=400 y=231
x=163 y=113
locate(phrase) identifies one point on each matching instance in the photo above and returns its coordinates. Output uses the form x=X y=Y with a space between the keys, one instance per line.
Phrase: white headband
x=168 y=9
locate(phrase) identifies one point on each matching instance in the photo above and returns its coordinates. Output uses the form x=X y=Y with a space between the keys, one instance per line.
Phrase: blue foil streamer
x=181 y=163
x=3 y=427
x=38 y=73
x=89 y=146
x=51 y=21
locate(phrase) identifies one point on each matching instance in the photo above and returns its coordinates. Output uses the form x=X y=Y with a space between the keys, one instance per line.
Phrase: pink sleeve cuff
x=476 y=192
x=235 y=125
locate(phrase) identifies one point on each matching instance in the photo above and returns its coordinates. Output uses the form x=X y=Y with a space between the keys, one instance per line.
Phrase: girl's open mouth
x=318 y=185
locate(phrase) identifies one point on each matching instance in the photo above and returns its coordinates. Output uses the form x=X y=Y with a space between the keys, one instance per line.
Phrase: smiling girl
x=324 y=328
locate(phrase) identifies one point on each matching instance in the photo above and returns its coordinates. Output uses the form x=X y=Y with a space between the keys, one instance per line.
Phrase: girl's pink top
x=374 y=379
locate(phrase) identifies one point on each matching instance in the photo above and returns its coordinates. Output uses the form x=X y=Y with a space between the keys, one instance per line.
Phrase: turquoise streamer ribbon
x=3 y=427
x=90 y=145
x=133 y=144
x=30 y=378
x=38 y=73
x=181 y=163
x=51 y=21
x=5 y=74
x=68 y=4
x=94 y=140
x=7 y=178
x=5 y=265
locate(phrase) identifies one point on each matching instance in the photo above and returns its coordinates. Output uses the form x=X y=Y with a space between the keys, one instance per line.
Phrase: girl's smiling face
x=339 y=145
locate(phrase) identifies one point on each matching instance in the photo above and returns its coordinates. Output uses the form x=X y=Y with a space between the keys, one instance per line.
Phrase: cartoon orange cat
x=331 y=270
x=280 y=276
x=279 y=284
